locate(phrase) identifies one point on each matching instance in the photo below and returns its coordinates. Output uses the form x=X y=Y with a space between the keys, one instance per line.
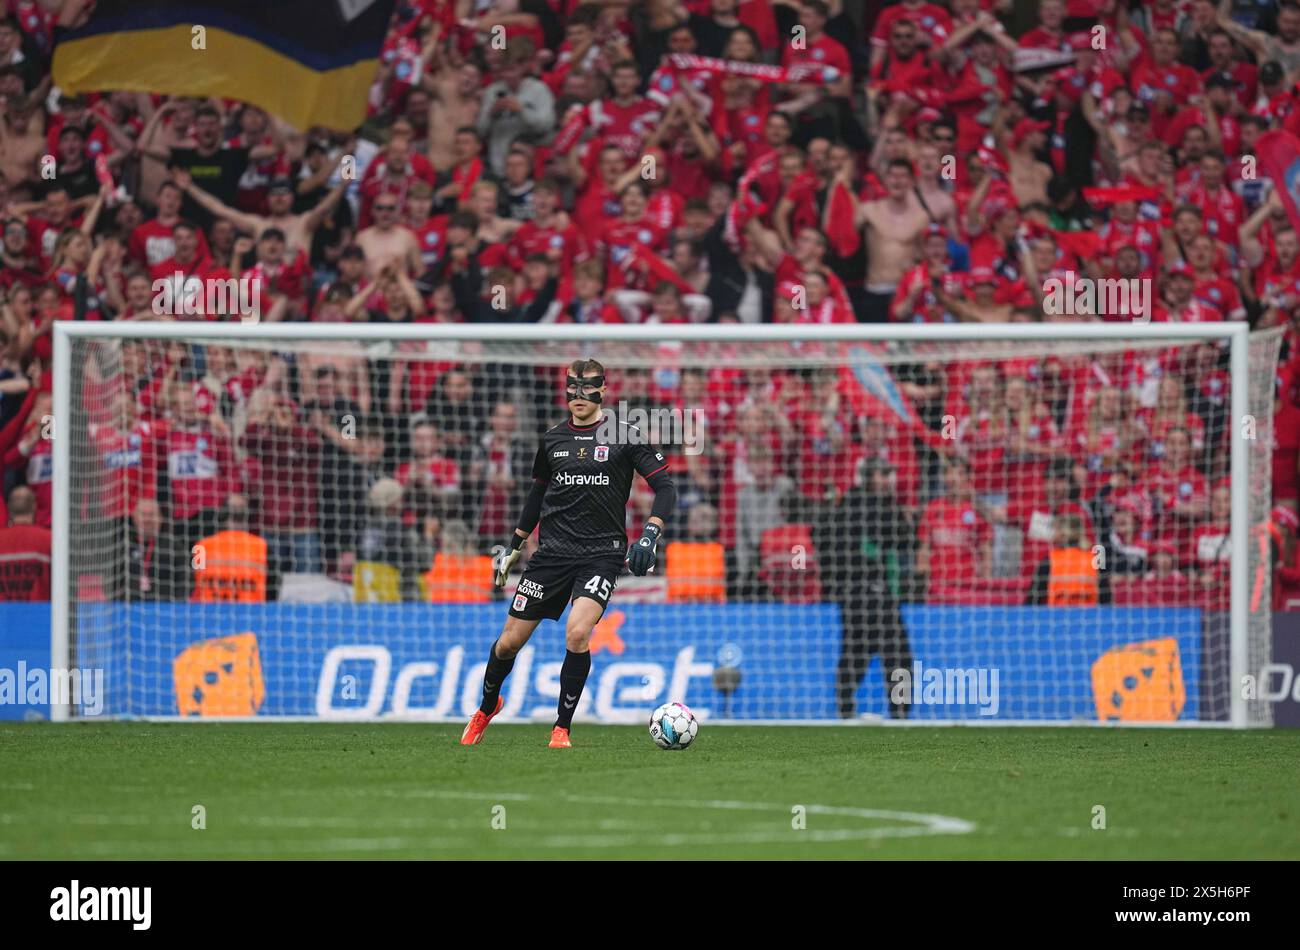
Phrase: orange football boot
x=478 y=724
x=560 y=738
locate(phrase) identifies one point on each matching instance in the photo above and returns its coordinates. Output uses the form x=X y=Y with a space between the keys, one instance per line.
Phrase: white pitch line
x=932 y=824
x=928 y=824
x=918 y=824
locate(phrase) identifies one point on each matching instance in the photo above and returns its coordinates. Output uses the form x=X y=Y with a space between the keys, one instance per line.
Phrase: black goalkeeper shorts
x=550 y=582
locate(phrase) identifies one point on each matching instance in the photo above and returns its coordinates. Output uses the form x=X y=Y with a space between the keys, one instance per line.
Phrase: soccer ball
x=673 y=726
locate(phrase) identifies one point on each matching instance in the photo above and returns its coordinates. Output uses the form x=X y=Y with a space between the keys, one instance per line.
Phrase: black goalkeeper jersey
x=587 y=471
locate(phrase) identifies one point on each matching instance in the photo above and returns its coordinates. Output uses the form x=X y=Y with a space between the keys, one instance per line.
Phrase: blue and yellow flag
x=310 y=62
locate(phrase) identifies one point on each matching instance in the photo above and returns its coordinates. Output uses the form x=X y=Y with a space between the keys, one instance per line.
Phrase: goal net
x=1064 y=523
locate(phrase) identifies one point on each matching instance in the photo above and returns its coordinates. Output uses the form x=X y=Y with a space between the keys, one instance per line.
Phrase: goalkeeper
x=583 y=474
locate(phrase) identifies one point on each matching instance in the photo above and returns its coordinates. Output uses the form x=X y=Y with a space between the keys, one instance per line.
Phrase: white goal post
x=1248 y=624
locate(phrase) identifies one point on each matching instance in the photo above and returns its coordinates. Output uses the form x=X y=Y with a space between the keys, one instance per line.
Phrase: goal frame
x=1236 y=334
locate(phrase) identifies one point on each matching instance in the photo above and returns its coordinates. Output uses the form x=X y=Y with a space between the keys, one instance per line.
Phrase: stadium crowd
x=675 y=161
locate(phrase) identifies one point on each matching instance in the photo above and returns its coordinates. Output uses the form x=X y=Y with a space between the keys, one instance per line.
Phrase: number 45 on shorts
x=599 y=586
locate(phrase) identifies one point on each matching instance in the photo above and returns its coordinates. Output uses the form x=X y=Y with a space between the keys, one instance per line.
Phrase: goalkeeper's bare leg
x=501 y=660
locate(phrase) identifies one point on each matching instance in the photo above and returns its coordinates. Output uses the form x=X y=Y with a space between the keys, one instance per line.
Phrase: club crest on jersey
x=602 y=453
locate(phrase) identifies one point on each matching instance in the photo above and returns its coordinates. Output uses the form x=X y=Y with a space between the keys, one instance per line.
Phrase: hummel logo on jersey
x=569 y=701
x=566 y=478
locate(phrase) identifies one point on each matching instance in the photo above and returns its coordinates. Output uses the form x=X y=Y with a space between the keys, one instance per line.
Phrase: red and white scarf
x=797 y=72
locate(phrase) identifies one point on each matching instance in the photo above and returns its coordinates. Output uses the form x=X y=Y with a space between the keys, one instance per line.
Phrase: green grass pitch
x=129 y=790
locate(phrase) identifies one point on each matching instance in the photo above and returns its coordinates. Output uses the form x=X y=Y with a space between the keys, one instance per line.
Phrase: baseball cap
x=997 y=207
x=1065 y=77
x=280 y=184
x=1025 y=127
x=982 y=275
x=1181 y=270
x=1285 y=516
x=934 y=229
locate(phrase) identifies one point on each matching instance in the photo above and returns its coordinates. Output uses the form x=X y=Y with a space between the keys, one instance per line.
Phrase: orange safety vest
x=459 y=579
x=696 y=572
x=234 y=569
x=1073 y=581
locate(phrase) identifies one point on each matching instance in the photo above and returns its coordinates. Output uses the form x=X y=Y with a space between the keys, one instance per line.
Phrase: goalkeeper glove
x=505 y=559
x=641 y=555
